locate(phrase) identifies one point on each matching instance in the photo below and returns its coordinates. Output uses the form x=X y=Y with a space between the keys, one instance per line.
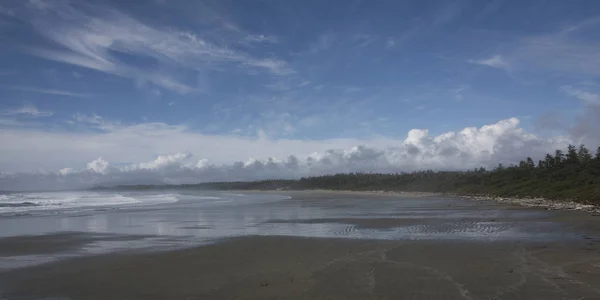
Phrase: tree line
x=574 y=175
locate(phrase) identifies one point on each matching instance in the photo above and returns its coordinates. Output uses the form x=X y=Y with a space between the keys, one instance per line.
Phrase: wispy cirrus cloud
x=447 y=13
x=589 y=98
x=571 y=51
x=12 y=122
x=275 y=66
x=364 y=40
x=98 y=37
x=28 y=110
x=94 y=121
x=495 y=61
x=323 y=43
x=584 y=127
x=402 y=38
x=459 y=92
x=45 y=91
x=5 y=11
x=560 y=53
x=259 y=38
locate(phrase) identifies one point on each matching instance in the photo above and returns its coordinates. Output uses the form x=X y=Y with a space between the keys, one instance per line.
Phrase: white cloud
x=89 y=36
x=459 y=92
x=45 y=91
x=214 y=158
x=582 y=25
x=324 y=42
x=29 y=110
x=587 y=97
x=66 y=171
x=562 y=52
x=390 y=43
x=98 y=165
x=166 y=161
x=95 y=121
x=402 y=38
x=495 y=61
x=364 y=40
x=15 y=123
x=5 y=11
x=122 y=143
x=203 y=163
x=259 y=38
x=275 y=66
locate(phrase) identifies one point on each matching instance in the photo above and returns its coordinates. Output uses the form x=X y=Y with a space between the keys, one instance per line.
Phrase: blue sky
x=297 y=70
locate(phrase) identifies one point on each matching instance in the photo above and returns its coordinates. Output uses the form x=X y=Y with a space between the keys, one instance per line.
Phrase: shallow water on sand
x=194 y=218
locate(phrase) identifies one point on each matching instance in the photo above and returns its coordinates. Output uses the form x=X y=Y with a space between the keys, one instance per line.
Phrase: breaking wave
x=22 y=202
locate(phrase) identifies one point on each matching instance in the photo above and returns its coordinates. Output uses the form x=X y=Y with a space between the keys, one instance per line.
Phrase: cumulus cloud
x=66 y=171
x=165 y=161
x=98 y=165
x=503 y=142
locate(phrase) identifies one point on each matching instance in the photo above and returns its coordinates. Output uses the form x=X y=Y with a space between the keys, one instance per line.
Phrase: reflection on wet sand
x=199 y=218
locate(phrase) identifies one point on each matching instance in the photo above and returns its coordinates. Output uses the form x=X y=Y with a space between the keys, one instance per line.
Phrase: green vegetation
x=571 y=176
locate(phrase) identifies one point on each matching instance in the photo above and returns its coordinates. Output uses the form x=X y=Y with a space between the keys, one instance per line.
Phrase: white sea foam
x=23 y=202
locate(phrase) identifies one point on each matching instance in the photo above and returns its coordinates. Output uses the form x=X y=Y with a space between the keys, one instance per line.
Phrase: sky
x=175 y=91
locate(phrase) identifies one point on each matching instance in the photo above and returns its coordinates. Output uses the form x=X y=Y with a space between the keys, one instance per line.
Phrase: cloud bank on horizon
x=113 y=92
x=502 y=142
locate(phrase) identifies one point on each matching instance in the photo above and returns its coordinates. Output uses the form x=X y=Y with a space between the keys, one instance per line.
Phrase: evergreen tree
x=559 y=157
x=541 y=164
x=584 y=154
x=549 y=161
x=529 y=163
x=572 y=157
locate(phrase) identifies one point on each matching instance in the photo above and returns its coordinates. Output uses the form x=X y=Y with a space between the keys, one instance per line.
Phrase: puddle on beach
x=206 y=217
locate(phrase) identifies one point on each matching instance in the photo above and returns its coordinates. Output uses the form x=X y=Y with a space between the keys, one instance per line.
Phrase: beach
x=308 y=245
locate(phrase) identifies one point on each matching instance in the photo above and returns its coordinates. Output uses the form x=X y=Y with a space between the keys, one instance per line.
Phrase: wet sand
x=313 y=268
x=272 y=266
x=515 y=201
x=55 y=243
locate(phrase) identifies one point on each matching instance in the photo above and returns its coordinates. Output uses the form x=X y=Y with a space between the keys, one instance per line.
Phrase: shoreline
x=538 y=202
x=524 y=202
x=407 y=194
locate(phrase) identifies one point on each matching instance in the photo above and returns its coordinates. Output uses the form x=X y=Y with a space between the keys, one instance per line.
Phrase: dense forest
x=574 y=175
